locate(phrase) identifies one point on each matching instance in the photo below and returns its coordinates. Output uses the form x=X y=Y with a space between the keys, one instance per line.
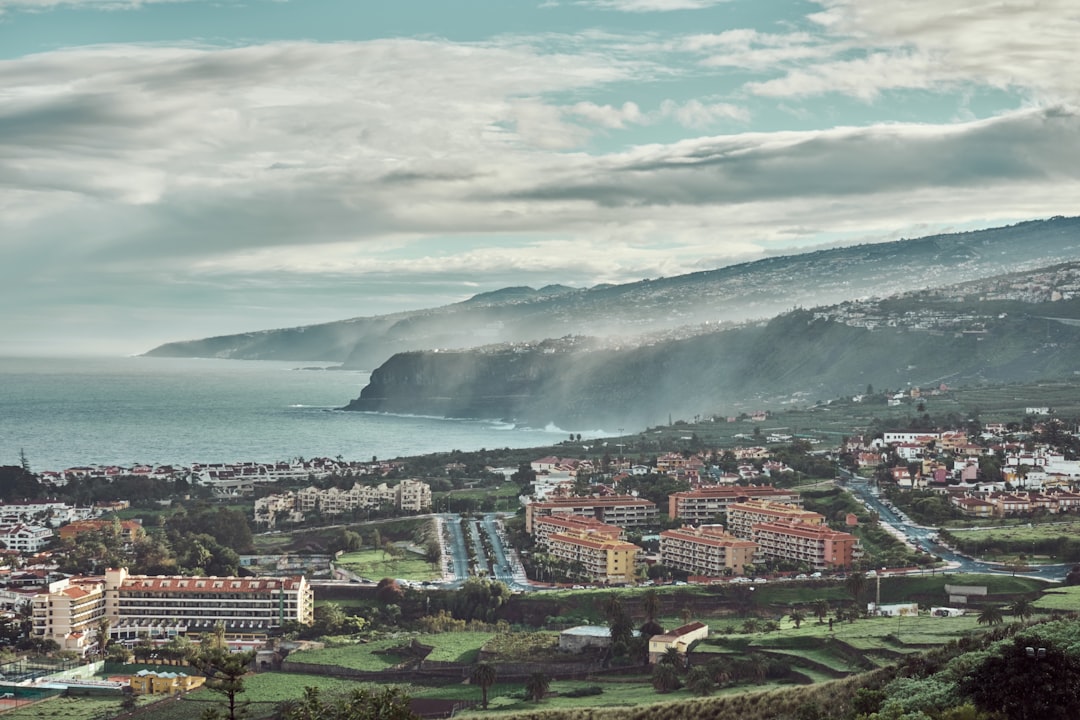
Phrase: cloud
x=1026 y=147
x=648 y=6
x=42 y=5
x=927 y=44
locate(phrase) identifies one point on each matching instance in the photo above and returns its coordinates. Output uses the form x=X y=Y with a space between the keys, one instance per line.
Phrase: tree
x=991 y=615
x=700 y=681
x=650 y=603
x=103 y=627
x=665 y=678
x=536 y=687
x=483 y=675
x=1022 y=608
x=1026 y=680
x=362 y=704
x=797 y=616
x=821 y=610
x=224 y=673
x=855 y=584
x=673 y=657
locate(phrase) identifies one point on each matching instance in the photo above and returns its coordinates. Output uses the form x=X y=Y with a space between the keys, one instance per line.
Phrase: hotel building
x=621 y=510
x=816 y=545
x=742 y=516
x=166 y=606
x=603 y=559
x=707 y=550
x=703 y=504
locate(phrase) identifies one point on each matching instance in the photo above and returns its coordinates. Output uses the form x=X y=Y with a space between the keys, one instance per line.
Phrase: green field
x=376 y=564
x=359 y=656
x=459 y=647
x=1060 y=598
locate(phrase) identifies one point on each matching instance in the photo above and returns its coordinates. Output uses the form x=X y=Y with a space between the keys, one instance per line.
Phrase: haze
x=172 y=170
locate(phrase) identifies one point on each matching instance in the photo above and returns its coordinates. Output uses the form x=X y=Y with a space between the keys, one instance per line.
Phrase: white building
x=25 y=538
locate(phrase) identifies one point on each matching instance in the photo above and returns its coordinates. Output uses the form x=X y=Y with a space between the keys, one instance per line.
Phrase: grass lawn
x=460 y=647
x=1024 y=532
x=359 y=656
x=77 y=708
x=376 y=564
x=1060 y=598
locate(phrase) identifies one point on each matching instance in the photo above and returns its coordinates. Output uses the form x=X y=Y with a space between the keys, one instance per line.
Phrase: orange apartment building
x=816 y=545
x=703 y=504
x=707 y=550
x=742 y=516
x=621 y=510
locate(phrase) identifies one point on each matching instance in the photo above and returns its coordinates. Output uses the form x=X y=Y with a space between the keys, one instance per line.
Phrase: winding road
x=924 y=538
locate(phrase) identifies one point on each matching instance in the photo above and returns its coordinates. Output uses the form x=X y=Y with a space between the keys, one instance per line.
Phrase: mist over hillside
x=755 y=290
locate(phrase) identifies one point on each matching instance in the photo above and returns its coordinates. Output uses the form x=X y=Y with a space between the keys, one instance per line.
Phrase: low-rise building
x=129 y=530
x=680 y=638
x=25 y=538
x=147 y=682
x=708 y=551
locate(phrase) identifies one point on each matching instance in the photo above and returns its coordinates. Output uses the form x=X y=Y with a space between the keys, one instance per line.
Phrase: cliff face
x=794 y=353
x=750 y=290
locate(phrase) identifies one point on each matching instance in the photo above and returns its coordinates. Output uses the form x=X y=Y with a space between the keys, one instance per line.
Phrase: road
x=922 y=537
x=505 y=564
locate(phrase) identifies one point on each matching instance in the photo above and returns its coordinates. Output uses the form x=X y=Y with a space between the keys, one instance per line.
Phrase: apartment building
x=129 y=530
x=742 y=516
x=407 y=496
x=621 y=510
x=70 y=613
x=703 y=504
x=707 y=550
x=547 y=525
x=25 y=538
x=165 y=606
x=603 y=559
x=816 y=545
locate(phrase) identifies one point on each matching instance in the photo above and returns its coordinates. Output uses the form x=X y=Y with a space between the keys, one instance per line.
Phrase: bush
x=583 y=692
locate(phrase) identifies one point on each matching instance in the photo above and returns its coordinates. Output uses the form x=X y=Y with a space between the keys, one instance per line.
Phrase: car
x=815 y=575
x=761 y=580
x=578 y=587
x=802 y=576
x=741 y=579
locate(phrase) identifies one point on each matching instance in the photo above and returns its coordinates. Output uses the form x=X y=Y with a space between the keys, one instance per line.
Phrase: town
x=115 y=573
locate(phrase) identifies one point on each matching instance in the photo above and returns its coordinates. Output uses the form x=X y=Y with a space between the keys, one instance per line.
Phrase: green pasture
x=368 y=657
x=376 y=564
x=1061 y=599
x=459 y=647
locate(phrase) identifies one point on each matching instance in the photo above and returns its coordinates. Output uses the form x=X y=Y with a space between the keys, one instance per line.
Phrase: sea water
x=80 y=411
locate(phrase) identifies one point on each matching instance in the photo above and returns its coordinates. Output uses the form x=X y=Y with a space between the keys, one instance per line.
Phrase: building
x=816 y=545
x=742 y=516
x=70 y=613
x=707 y=550
x=621 y=510
x=680 y=638
x=703 y=504
x=25 y=538
x=406 y=496
x=972 y=506
x=129 y=530
x=547 y=525
x=146 y=682
x=165 y=606
x=602 y=559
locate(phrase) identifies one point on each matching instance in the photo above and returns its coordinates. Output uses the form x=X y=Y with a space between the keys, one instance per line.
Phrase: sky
x=176 y=169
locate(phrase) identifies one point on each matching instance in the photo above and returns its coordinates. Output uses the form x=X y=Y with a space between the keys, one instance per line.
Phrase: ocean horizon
x=66 y=412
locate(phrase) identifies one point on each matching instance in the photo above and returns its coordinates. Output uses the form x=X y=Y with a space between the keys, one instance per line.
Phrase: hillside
x=735 y=293
x=802 y=355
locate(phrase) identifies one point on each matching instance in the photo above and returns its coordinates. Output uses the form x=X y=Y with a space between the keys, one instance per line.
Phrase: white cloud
x=927 y=44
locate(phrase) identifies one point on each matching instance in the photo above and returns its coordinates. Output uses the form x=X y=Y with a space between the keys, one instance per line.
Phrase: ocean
x=122 y=411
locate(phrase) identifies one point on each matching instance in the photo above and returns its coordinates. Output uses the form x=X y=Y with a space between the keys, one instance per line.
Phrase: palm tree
x=673 y=657
x=665 y=678
x=991 y=615
x=855 y=584
x=719 y=670
x=700 y=681
x=103 y=627
x=650 y=602
x=797 y=616
x=821 y=610
x=613 y=606
x=750 y=625
x=1022 y=608
x=483 y=675
x=537 y=686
